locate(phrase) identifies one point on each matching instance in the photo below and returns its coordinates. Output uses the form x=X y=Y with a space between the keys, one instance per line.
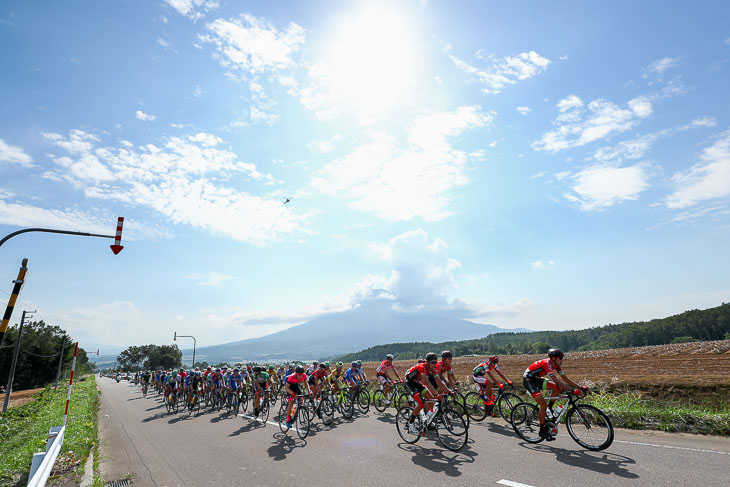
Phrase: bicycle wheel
x=303 y=421
x=264 y=408
x=168 y=404
x=282 y=417
x=452 y=430
x=175 y=406
x=457 y=407
x=327 y=411
x=505 y=404
x=363 y=401
x=526 y=423
x=400 y=400
x=589 y=427
x=475 y=407
x=197 y=404
x=348 y=407
x=379 y=400
x=409 y=432
x=236 y=404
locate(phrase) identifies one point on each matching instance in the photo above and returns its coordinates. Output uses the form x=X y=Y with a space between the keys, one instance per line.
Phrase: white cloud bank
x=179 y=180
x=599 y=187
x=401 y=181
x=506 y=71
x=193 y=9
x=14 y=155
x=579 y=124
x=145 y=117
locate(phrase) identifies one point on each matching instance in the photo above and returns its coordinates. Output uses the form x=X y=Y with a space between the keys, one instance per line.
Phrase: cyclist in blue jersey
x=352 y=375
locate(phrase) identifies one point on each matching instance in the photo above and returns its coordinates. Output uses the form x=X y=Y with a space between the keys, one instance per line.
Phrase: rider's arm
x=559 y=381
x=569 y=381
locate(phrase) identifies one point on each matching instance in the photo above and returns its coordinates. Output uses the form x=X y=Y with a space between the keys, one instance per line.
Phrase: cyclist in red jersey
x=445 y=372
x=420 y=386
x=319 y=374
x=382 y=374
x=535 y=382
x=294 y=383
x=483 y=374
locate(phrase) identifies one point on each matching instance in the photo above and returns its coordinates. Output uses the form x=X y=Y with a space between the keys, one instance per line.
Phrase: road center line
x=673 y=447
x=510 y=483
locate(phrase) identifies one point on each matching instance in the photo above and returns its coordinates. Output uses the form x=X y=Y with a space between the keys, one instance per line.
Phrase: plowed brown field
x=22 y=397
x=691 y=364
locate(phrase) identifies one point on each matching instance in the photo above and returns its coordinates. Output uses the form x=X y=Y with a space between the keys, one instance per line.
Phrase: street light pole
x=11 y=376
x=174 y=339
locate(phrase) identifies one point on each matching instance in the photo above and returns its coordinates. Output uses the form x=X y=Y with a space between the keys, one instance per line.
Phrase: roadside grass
x=24 y=429
x=631 y=410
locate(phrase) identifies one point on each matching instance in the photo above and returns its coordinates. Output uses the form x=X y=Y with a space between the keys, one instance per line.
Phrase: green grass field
x=23 y=429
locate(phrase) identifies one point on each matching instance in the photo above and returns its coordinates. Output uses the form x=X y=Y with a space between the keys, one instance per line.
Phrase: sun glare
x=373 y=61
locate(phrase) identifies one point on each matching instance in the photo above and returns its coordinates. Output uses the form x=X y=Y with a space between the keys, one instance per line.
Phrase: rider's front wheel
x=508 y=401
x=303 y=422
x=475 y=407
x=264 y=408
x=282 y=417
x=526 y=422
x=348 y=407
x=589 y=427
x=327 y=411
x=409 y=431
x=452 y=430
x=363 y=401
x=236 y=404
x=379 y=401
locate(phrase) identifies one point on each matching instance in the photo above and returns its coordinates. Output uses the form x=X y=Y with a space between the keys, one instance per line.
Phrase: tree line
x=150 y=357
x=693 y=325
x=40 y=346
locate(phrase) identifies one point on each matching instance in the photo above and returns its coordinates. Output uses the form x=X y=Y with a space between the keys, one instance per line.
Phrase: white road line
x=268 y=422
x=673 y=447
x=510 y=483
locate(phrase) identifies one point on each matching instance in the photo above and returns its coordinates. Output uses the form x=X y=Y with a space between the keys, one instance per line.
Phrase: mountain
x=326 y=336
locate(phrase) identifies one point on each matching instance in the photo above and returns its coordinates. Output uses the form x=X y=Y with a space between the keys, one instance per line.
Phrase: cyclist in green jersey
x=261 y=382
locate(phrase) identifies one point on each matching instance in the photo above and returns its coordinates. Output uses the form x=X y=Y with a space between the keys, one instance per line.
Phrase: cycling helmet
x=327 y=364
x=338 y=364
x=421 y=360
x=493 y=359
x=446 y=354
x=291 y=366
x=299 y=369
x=258 y=370
x=430 y=357
x=389 y=356
x=197 y=373
x=271 y=367
x=236 y=370
x=354 y=364
x=555 y=352
x=359 y=363
x=208 y=368
x=315 y=363
x=322 y=366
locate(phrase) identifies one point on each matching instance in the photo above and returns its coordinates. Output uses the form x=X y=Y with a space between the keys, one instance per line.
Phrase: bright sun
x=372 y=62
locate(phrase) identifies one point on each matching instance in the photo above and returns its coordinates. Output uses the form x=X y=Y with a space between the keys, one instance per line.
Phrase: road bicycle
x=361 y=397
x=193 y=404
x=590 y=427
x=477 y=408
x=145 y=386
x=342 y=401
x=264 y=407
x=171 y=402
x=299 y=416
x=452 y=429
x=398 y=397
x=233 y=401
x=322 y=408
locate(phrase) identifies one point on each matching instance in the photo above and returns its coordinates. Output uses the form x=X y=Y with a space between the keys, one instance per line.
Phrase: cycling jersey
x=442 y=368
x=335 y=375
x=233 y=380
x=319 y=374
x=196 y=382
x=541 y=368
x=383 y=367
x=351 y=373
x=483 y=368
x=415 y=372
x=261 y=377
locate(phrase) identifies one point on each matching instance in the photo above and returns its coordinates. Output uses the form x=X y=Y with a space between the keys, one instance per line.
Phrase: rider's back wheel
x=379 y=400
x=282 y=417
x=452 y=429
x=526 y=423
x=475 y=407
x=409 y=432
x=362 y=399
x=589 y=427
x=506 y=403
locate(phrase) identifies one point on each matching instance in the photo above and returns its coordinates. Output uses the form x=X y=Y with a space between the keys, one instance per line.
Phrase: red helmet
x=493 y=359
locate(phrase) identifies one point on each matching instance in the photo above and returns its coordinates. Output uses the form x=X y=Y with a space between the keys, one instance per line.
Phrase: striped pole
x=70 y=383
x=18 y=285
x=117 y=247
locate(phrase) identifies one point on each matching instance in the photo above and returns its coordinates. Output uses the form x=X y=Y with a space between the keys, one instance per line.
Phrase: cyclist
x=352 y=376
x=196 y=385
x=235 y=381
x=280 y=374
x=382 y=375
x=314 y=379
x=362 y=371
x=335 y=376
x=296 y=380
x=172 y=384
x=535 y=382
x=482 y=375
x=146 y=382
x=312 y=368
x=261 y=382
x=444 y=367
x=419 y=387
x=289 y=371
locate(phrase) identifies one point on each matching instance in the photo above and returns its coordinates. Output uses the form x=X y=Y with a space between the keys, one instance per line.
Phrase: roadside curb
x=88 y=478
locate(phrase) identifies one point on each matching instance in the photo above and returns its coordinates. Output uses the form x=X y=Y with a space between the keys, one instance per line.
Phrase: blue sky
x=547 y=166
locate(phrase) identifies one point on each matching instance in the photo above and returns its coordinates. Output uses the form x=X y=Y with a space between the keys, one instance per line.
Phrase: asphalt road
x=216 y=449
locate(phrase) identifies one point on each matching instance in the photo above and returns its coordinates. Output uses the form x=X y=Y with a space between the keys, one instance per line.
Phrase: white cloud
x=540 y=265
x=14 y=155
x=706 y=180
x=600 y=187
x=181 y=181
x=506 y=71
x=194 y=9
x=162 y=42
x=198 y=91
x=144 y=116
x=538 y=175
x=211 y=279
x=658 y=67
x=323 y=146
x=253 y=45
x=578 y=124
x=401 y=181
x=523 y=110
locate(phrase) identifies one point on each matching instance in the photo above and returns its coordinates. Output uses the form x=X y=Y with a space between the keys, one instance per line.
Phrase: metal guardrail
x=42 y=465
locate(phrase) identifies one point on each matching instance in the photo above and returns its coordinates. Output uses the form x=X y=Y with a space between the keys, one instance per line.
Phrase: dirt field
x=22 y=397
x=704 y=364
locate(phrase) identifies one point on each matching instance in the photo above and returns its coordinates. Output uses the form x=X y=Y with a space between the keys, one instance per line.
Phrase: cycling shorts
x=415 y=387
x=312 y=380
x=480 y=379
x=262 y=385
x=535 y=385
x=217 y=383
x=383 y=379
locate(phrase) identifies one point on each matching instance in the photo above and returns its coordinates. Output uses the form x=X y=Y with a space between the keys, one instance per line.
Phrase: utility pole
x=60 y=361
x=195 y=342
x=11 y=376
x=17 y=286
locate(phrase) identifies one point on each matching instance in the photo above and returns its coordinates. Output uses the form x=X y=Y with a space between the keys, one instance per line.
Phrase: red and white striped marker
x=117 y=247
x=70 y=383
